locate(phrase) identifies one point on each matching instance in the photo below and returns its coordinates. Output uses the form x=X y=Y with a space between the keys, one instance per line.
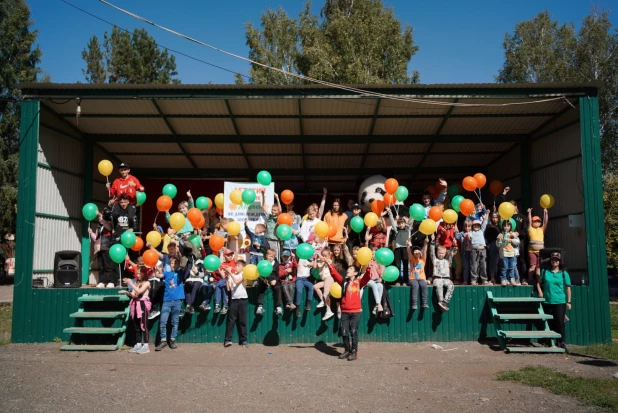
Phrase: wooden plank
x=506 y=317
x=517 y=300
x=530 y=334
x=99 y=298
x=94 y=330
x=535 y=350
x=89 y=347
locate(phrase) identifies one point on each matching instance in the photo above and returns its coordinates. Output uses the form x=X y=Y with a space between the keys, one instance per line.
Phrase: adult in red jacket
x=350 y=307
x=126 y=184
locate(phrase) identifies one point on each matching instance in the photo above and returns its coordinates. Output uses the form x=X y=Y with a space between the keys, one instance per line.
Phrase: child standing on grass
x=507 y=242
x=350 y=308
x=139 y=309
x=442 y=274
x=172 y=303
x=238 y=307
x=417 y=278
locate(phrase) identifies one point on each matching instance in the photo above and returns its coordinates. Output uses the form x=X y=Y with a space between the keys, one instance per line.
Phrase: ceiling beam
x=166 y=138
x=319 y=154
x=371 y=129
x=173 y=132
x=233 y=119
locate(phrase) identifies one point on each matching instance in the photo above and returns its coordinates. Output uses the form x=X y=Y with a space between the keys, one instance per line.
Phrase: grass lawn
x=613 y=318
x=606 y=351
x=591 y=391
x=6 y=319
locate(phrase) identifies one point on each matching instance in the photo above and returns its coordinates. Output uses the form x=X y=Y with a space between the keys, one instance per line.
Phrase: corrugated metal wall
x=508 y=169
x=467 y=320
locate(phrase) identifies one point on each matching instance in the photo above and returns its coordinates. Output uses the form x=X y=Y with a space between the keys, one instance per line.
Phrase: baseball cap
x=286 y=253
x=356 y=206
x=536 y=218
x=556 y=255
x=124 y=165
x=228 y=251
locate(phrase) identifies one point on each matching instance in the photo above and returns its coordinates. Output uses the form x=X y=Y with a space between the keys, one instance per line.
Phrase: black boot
x=346 y=346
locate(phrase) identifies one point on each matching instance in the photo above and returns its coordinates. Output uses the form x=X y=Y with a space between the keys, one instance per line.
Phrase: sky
x=459 y=41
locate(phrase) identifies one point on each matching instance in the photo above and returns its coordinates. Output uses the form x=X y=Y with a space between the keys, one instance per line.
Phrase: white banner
x=254 y=212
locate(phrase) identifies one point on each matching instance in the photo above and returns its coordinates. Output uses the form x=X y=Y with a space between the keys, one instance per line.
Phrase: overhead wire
x=325 y=83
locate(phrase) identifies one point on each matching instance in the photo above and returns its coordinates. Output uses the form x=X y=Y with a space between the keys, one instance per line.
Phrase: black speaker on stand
x=68 y=269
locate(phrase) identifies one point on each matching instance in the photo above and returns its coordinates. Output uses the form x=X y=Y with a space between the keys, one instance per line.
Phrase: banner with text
x=254 y=212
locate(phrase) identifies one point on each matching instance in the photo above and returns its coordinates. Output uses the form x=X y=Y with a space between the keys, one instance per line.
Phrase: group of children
x=485 y=247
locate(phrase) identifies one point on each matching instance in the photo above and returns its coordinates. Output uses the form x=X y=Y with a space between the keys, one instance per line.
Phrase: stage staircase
x=525 y=310
x=100 y=323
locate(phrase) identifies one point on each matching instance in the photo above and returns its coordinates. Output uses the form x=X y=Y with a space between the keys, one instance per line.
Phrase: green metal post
x=24 y=237
x=525 y=176
x=87 y=191
x=594 y=217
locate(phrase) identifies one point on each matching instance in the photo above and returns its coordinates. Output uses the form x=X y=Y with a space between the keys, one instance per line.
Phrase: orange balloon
x=496 y=187
x=284 y=218
x=164 y=203
x=287 y=197
x=469 y=183
x=480 y=179
x=435 y=213
x=139 y=244
x=391 y=185
x=150 y=258
x=389 y=200
x=466 y=207
x=377 y=206
x=194 y=216
x=219 y=211
x=216 y=242
x=200 y=224
x=332 y=230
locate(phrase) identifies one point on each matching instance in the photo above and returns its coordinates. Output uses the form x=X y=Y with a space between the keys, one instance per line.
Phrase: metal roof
x=230 y=131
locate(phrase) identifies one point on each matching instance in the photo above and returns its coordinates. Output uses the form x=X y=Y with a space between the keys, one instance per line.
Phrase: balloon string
x=156 y=216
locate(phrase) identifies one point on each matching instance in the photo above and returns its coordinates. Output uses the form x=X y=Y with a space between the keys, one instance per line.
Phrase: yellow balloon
x=250 y=272
x=154 y=238
x=219 y=200
x=233 y=228
x=105 y=167
x=321 y=229
x=545 y=201
x=335 y=290
x=371 y=220
x=177 y=221
x=363 y=256
x=506 y=210
x=552 y=200
x=449 y=216
x=236 y=196
x=428 y=226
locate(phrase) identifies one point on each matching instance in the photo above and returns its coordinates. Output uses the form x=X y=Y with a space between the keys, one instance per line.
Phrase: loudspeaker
x=68 y=269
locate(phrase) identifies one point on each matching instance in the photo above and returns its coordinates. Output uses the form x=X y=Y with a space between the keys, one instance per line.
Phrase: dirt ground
x=302 y=378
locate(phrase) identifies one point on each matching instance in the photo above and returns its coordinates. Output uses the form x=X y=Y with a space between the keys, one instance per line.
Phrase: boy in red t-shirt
x=126 y=184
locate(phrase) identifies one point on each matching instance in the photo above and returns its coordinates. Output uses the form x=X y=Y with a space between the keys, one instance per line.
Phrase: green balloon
x=248 y=196
x=127 y=239
x=401 y=194
x=212 y=263
x=117 y=253
x=452 y=191
x=265 y=268
x=304 y=251
x=140 y=197
x=357 y=224
x=264 y=178
x=456 y=201
x=384 y=256
x=316 y=274
x=417 y=212
x=390 y=274
x=195 y=240
x=170 y=190
x=90 y=211
x=284 y=232
x=202 y=203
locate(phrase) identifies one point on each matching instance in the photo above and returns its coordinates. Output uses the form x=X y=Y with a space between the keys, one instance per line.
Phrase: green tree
x=128 y=58
x=352 y=41
x=541 y=50
x=19 y=59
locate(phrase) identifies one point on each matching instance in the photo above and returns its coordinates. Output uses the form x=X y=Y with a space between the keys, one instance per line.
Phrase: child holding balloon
x=418 y=280
x=402 y=232
x=238 y=307
x=258 y=242
x=536 y=242
x=270 y=281
x=287 y=277
x=507 y=241
x=183 y=208
x=322 y=264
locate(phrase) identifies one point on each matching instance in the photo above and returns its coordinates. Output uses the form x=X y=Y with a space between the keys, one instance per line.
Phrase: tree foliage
x=19 y=59
x=352 y=41
x=128 y=58
x=610 y=198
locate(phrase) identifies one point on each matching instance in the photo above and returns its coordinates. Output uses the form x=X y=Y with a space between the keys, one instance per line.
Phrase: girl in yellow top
x=417 y=273
x=536 y=236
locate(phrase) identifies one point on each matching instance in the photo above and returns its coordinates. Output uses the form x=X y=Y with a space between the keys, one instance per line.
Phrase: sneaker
x=512 y=282
x=415 y=307
x=474 y=283
x=136 y=348
x=524 y=282
x=144 y=350
x=173 y=345
x=442 y=306
x=292 y=307
x=308 y=306
x=487 y=283
x=503 y=283
x=328 y=314
x=321 y=304
x=287 y=307
x=425 y=306
x=279 y=311
x=224 y=311
x=445 y=306
x=217 y=308
x=190 y=309
x=100 y=285
x=343 y=356
x=352 y=356
x=380 y=309
x=339 y=314
x=110 y=285
x=204 y=307
x=154 y=314
x=161 y=345
x=182 y=313
x=297 y=311
x=260 y=310
x=375 y=310
x=517 y=283
x=245 y=345
x=227 y=344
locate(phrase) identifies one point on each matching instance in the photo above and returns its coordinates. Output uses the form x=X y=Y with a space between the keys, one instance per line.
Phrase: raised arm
x=336 y=276
x=545 y=219
x=393 y=223
x=346 y=253
x=432 y=252
x=323 y=203
x=529 y=218
x=425 y=249
x=190 y=203
x=278 y=203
